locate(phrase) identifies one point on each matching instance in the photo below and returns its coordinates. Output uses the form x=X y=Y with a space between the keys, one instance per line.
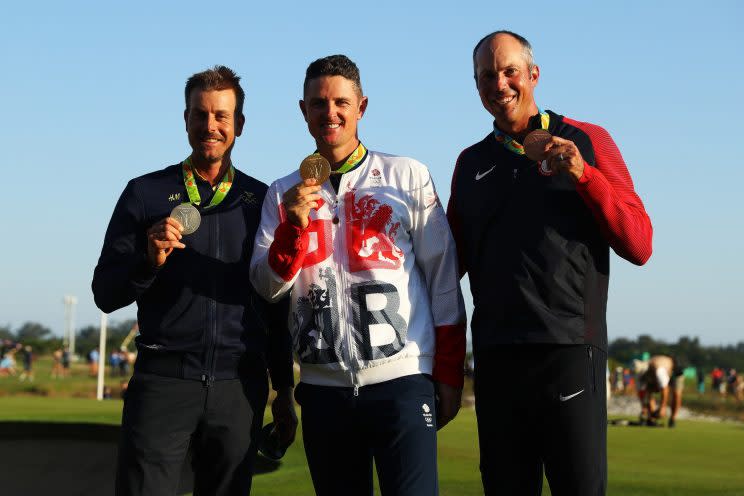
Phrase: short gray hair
x=526 y=48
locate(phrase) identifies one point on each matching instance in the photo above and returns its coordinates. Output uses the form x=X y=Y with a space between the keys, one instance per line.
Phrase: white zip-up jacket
x=374 y=277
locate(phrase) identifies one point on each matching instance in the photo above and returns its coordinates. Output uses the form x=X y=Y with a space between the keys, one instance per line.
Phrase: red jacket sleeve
x=607 y=190
x=449 y=358
x=287 y=252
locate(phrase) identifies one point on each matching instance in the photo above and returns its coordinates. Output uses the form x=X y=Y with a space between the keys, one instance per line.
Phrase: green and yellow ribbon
x=354 y=159
x=220 y=192
x=510 y=143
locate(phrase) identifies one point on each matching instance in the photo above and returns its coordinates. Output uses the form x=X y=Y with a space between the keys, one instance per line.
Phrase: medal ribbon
x=189 y=180
x=354 y=159
x=510 y=143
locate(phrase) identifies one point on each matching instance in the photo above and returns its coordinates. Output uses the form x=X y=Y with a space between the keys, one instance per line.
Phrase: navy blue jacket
x=199 y=307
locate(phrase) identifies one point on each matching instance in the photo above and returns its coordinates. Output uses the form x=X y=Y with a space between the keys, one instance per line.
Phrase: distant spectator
x=731 y=381
x=27 y=356
x=57 y=370
x=716 y=377
x=66 y=362
x=700 y=380
x=664 y=375
x=93 y=357
x=107 y=393
x=8 y=364
x=628 y=381
x=114 y=361
x=619 y=380
x=123 y=362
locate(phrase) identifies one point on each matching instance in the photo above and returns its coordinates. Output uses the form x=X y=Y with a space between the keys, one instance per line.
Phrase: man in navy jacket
x=206 y=339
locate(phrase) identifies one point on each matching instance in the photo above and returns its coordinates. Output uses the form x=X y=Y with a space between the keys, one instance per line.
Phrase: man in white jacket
x=376 y=310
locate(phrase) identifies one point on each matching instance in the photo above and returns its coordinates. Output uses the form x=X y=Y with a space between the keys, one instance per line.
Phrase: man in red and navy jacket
x=534 y=235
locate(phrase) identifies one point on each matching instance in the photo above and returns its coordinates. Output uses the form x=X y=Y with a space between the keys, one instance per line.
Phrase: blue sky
x=94 y=97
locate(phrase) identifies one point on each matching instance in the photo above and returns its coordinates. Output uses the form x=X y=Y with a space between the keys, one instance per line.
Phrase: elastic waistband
x=322 y=375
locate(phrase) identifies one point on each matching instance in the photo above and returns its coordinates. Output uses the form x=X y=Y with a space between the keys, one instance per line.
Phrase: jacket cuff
x=143 y=273
x=449 y=355
x=586 y=176
x=287 y=251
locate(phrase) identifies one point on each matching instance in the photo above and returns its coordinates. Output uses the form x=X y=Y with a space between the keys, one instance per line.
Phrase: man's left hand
x=285 y=417
x=448 y=403
x=563 y=155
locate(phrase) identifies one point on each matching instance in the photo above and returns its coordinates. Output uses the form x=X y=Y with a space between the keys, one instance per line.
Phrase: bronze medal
x=534 y=144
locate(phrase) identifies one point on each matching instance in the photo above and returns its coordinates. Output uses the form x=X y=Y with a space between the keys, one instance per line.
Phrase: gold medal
x=316 y=167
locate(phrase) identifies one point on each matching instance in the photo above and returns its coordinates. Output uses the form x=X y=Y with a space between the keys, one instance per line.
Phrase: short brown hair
x=334 y=65
x=217 y=78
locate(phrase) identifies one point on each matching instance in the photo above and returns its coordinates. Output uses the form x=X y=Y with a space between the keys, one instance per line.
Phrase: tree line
x=687 y=350
x=44 y=341
x=622 y=350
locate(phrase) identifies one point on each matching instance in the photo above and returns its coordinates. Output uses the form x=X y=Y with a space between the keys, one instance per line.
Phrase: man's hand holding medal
x=554 y=153
x=302 y=197
x=162 y=238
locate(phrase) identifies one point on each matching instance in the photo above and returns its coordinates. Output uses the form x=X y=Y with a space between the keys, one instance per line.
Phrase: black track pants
x=163 y=415
x=542 y=406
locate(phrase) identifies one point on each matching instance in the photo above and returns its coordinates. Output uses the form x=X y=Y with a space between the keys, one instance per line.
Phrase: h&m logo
x=249 y=198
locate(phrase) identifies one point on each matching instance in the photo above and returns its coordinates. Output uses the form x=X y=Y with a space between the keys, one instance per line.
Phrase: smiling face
x=506 y=83
x=212 y=125
x=332 y=107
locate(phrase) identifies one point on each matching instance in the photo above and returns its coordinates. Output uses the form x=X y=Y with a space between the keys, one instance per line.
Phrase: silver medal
x=188 y=216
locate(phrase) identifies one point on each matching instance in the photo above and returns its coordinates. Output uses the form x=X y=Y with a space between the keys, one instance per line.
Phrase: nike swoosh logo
x=566 y=398
x=480 y=176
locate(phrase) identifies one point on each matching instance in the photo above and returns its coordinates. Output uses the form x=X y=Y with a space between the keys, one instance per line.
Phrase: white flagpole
x=101 y=356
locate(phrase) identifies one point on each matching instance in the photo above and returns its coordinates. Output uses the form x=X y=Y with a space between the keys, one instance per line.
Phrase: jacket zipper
x=340 y=264
x=208 y=376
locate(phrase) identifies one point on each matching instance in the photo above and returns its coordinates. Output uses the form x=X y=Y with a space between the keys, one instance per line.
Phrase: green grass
x=40 y=409
x=78 y=384
x=695 y=459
